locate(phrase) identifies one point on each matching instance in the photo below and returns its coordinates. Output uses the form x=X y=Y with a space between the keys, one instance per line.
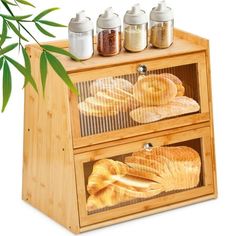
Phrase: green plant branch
x=47 y=57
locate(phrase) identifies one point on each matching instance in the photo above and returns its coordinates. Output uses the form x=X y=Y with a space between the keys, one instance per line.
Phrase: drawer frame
x=208 y=187
x=189 y=119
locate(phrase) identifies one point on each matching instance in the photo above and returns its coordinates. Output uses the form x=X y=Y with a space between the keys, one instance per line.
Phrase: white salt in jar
x=81 y=36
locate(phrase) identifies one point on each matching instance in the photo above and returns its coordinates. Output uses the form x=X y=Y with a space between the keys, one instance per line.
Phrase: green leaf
x=27 y=63
x=60 y=70
x=51 y=23
x=8 y=2
x=16 y=18
x=1 y=62
x=6 y=87
x=4 y=33
x=42 y=30
x=23 y=71
x=25 y=3
x=8 y=48
x=44 y=13
x=16 y=31
x=43 y=70
x=59 y=51
x=27 y=60
x=6 y=37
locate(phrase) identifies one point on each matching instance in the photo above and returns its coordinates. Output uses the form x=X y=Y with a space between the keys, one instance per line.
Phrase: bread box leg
x=48 y=169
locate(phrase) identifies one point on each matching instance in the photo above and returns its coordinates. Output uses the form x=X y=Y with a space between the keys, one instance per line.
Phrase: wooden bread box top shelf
x=184 y=43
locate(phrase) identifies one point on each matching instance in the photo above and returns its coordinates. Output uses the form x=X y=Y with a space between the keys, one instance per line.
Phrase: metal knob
x=148 y=147
x=142 y=69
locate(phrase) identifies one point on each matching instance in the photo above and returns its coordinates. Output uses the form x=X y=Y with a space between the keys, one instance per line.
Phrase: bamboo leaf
x=60 y=70
x=16 y=18
x=27 y=63
x=8 y=48
x=43 y=70
x=4 y=33
x=9 y=3
x=25 y=3
x=16 y=31
x=6 y=37
x=44 y=13
x=51 y=23
x=1 y=62
x=23 y=71
x=59 y=51
x=6 y=86
x=27 y=60
x=42 y=30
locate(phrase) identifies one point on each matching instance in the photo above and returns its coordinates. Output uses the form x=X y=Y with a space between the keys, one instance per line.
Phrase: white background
x=215 y=21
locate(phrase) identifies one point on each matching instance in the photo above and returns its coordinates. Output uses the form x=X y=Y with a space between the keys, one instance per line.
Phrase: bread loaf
x=179 y=106
x=154 y=90
x=110 y=96
x=125 y=189
x=101 y=85
x=177 y=81
x=178 y=167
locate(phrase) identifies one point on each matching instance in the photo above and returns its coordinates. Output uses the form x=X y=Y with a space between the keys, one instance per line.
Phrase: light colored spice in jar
x=135 y=38
x=162 y=34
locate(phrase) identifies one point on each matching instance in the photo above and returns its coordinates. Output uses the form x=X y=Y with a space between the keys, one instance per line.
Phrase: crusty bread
x=89 y=110
x=110 y=96
x=107 y=197
x=103 y=172
x=125 y=189
x=179 y=106
x=177 y=81
x=154 y=90
x=108 y=171
x=103 y=84
x=145 y=115
x=144 y=174
x=177 y=167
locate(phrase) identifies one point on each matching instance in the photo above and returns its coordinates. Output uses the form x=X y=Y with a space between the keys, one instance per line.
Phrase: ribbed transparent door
x=147 y=174
x=114 y=103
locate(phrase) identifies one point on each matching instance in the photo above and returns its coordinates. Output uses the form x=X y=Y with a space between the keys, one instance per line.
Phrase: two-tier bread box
x=137 y=140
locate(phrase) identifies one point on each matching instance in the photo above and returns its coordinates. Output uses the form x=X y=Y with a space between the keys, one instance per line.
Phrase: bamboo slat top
x=184 y=43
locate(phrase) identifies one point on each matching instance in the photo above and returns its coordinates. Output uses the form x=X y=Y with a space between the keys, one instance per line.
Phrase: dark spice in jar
x=109 y=42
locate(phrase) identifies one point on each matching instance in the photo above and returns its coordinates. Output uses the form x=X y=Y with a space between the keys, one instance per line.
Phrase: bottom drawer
x=136 y=177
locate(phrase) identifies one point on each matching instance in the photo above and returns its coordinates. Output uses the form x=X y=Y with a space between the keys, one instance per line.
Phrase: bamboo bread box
x=136 y=141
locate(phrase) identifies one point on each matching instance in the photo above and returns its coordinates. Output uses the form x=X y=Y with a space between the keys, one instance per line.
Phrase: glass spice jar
x=81 y=36
x=162 y=26
x=135 y=29
x=108 y=33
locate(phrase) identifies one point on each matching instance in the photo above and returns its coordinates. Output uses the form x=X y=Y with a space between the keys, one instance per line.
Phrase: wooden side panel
x=48 y=170
x=208 y=68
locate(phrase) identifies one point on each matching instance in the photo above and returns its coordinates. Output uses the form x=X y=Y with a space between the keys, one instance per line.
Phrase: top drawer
x=121 y=102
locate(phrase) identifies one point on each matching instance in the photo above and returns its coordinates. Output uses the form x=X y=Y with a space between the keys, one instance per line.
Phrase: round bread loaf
x=154 y=90
x=177 y=81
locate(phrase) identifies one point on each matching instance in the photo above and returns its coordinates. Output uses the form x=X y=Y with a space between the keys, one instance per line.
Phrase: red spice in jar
x=109 y=42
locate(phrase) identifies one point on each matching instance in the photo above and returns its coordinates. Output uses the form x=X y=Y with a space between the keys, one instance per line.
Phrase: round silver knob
x=142 y=69
x=148 y=147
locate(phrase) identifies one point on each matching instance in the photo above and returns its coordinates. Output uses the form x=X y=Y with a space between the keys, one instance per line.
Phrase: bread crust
x=177 y=81
x=154 y=90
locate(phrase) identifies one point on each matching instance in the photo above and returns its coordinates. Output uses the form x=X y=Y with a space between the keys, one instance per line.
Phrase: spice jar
x=109 y=33
x=81 y=36
x=162 y=26
x=135 y=29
